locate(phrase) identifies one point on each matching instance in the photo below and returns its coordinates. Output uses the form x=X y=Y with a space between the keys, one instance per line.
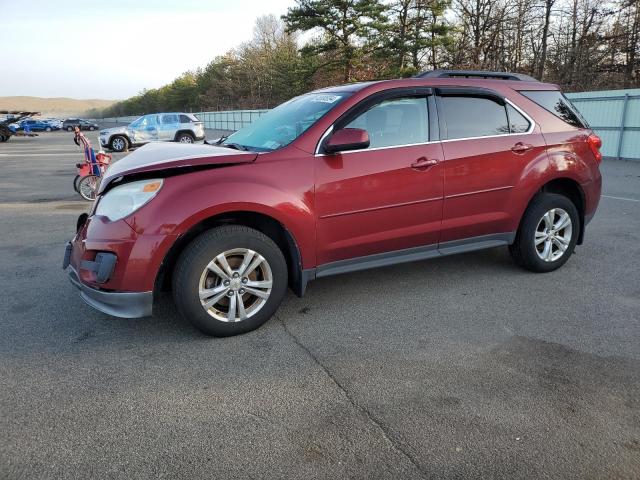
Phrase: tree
x=348 y=28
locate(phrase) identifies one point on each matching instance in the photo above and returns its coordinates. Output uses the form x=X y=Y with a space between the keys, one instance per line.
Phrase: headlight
x=121 y=201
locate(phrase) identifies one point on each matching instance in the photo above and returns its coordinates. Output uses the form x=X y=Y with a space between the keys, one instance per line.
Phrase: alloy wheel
x=117 y=144
x=553 y=234
x=235 y=285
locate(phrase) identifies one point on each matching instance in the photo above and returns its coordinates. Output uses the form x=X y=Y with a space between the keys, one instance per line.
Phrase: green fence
x=229 y=120
x=615 y=116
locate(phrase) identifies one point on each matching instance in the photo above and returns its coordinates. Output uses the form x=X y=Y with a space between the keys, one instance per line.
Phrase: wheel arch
x=265 y=224
x=124 y=135
x=179 y=132
x=569 y=188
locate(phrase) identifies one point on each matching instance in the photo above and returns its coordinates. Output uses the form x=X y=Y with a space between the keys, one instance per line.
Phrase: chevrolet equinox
x=339 y=180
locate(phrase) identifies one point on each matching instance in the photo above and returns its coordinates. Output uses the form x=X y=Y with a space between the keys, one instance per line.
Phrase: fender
x=186 y=200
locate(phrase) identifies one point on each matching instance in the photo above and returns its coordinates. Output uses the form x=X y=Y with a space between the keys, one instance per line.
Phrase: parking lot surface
x=460 y=367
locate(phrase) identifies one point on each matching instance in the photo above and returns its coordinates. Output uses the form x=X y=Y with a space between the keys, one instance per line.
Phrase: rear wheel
x=118 y=143
x=548 y=233
x=88 y=187
x=185 y=138
x=229 y=280
x=92 y=128
x=48 y=129
x=75 y=182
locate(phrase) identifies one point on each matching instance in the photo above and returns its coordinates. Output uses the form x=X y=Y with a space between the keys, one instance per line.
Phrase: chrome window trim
x=376 y=148
x=532 y=127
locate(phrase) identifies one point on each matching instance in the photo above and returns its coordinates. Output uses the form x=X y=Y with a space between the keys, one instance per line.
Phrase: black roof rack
x=476 y=74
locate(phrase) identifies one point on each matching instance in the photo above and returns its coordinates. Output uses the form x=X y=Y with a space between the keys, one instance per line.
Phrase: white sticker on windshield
x=325 y=98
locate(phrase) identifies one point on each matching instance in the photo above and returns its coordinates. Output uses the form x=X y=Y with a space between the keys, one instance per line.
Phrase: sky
x=112 y=49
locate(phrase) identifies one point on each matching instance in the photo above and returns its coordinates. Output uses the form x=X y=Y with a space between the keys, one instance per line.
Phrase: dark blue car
x=37 y=126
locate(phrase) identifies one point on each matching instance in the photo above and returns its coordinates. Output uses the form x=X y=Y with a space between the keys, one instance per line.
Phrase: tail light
x=595 y=143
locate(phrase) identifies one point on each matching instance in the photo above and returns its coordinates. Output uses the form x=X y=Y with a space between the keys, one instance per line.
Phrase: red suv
x=338 y=180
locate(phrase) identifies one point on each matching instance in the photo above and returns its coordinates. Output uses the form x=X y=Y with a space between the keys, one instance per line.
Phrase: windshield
x=282 y=125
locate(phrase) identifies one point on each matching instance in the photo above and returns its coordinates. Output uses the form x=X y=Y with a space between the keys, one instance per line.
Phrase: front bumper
x=117 y=304
x=113 y=267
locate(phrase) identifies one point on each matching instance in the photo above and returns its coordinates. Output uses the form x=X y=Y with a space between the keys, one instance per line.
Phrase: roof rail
x=476 y=74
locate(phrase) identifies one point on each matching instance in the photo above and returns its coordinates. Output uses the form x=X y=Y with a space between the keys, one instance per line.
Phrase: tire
x=3 y=138
x=540 y=223
x=184 y=138
x=88 y=187
x=69 y=128
x=76 y=179
x=118 y=143
x=193 y=276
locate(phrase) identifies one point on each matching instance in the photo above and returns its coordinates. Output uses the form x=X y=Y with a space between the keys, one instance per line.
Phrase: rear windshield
x=555 y=102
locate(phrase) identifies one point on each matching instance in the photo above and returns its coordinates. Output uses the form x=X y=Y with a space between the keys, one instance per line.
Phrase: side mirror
x=347 y=139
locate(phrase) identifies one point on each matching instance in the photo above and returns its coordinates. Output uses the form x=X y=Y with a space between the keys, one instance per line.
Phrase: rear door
x=488 y=144
x=168 y=125
x=387 y=197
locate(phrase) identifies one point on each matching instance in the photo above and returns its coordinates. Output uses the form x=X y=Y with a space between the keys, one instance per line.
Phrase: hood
x=113 y=130
x=163 y=156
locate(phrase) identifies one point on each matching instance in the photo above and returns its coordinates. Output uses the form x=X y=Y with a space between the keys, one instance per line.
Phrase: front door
x=145 y=129
x=387 y=197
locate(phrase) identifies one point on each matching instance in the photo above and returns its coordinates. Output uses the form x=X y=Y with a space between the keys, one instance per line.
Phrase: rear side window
x=473 y=117
x=517 y=122
x=556 y=103
x=185 y=119
x=169 y=119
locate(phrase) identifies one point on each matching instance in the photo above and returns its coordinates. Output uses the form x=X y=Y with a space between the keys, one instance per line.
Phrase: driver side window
x=395 y=122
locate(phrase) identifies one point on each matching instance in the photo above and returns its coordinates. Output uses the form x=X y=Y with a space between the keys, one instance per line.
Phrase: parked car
x=70 y=123
x=36 y=126
x=164 y=127
x=339 y=180
x=54 y=122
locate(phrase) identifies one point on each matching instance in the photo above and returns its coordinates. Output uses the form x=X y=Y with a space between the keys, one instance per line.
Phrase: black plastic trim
x=486 y=74
x=117 y=304
x=102 y=266
x=414 y=254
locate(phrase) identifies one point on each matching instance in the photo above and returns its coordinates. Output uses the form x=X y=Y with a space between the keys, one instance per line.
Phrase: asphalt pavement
x=459 y=367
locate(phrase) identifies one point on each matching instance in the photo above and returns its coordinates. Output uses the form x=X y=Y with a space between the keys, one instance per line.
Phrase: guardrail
x=230 y=119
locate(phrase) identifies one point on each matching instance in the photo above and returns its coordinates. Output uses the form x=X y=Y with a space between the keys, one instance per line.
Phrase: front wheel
x=91 y=129
x=76 y=180
x=548 y=233
x=88 y=187
x=69 y=129
x=118 y=143
x=229 y=280
x=48 y=129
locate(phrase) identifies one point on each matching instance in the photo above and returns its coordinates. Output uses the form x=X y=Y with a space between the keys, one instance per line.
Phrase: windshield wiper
x=235 y=146
x=221 y=139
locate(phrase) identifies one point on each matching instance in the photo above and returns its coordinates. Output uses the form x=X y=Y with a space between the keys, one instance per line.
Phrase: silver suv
x=155 y=127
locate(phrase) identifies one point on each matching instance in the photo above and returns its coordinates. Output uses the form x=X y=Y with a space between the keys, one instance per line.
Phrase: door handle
x=423 y=163
x=521 y=147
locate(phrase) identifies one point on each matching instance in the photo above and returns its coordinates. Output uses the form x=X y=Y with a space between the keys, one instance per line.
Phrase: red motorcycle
x=90 y=172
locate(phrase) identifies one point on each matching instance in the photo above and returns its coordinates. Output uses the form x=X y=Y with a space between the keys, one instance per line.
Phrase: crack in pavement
x=372 y=419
